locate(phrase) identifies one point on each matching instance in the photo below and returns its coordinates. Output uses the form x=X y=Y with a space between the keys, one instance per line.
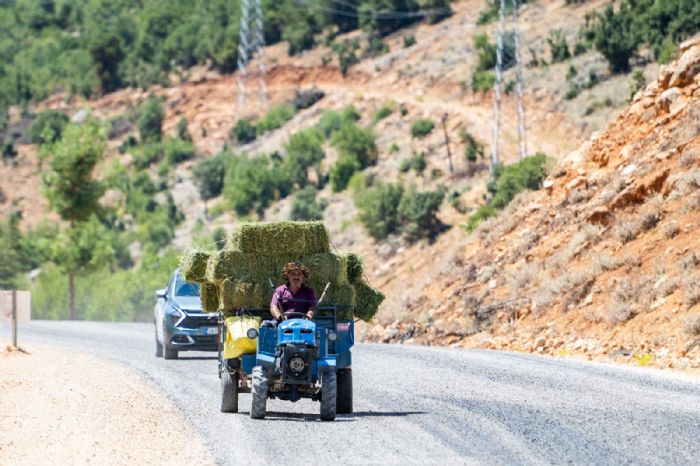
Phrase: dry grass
x=692 y=325
x=523 y=276
x=667 y=287
x=612 y=189
x=689 y=262
x=621 y=306
x=685 y=183
x=691 y=203
x=688 y=158
x=691 y=286
x=671 y=229
x=579 y=195
x=606 y=262
x=554 y=288
x=626 y=230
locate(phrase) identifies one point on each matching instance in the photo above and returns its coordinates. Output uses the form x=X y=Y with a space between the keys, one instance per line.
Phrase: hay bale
x=274 y=238
x=236 y=294
x=342 y=295
x=326 y=267
x=229 y=263
x=367 y=301
x=209 y=296
x=354 y=267
x=193 y=265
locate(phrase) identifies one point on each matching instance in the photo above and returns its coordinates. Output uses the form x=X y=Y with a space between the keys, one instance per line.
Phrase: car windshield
x=186 y=289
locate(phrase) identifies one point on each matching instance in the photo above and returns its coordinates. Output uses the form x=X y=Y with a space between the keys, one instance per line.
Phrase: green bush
x=417 y=213
x=528 y=173
x=418 y=162
x=357 y=143
x=558 y=46
x=637 y=82
x=182 y=131
x=305 y=206
x=249 y=184
x=422 y=127
x=150 y=119
x=405 y=165
x=472 y=147
x=8 y=150
x=375 y=47
x=616 y=36
x=47 y=127
x=303 y=151
x=208 y=175
x=177 y=150
x=275 y=118
x=482 y=213
x=244 y=131
x=147 y=154
x=409 y=40
x=383 y=112
x=346 y=54
x=342 y=171
x=483 y=81
x=378 y=209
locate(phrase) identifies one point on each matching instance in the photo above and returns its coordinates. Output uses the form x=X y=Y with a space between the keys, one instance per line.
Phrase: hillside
x=601 y=263
x=559 y=264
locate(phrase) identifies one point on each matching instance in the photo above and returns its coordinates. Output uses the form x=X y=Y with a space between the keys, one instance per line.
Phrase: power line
x=377 y=14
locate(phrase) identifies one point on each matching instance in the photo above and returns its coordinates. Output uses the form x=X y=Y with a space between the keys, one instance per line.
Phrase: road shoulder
x=71 y=408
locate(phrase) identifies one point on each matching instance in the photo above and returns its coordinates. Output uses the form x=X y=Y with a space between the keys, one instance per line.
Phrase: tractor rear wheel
x=344 y=404
x=258 y=408
x=229 y=392
x=329 y=387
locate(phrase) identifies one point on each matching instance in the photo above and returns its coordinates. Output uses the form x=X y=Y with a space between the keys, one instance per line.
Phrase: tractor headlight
x=332 y=335
x=297 y=364
x=252 y=333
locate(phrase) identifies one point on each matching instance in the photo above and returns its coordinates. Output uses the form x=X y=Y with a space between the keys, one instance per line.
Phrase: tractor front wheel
x=229 y=392
x=329 y=391
x=344 y=405
x=258 y=408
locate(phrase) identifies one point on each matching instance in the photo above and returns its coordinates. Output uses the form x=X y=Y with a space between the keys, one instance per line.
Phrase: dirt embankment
x=67 y=408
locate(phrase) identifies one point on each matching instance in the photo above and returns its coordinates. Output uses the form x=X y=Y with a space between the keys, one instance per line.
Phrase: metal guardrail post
x=14 y=318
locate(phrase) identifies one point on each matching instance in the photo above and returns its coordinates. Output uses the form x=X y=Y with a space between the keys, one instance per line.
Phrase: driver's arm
x=275 y=312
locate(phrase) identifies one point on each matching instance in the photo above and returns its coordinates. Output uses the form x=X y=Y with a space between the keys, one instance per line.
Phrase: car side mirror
x=161 y=293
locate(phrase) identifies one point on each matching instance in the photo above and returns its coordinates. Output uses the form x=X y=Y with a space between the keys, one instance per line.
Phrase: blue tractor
x=298 y=358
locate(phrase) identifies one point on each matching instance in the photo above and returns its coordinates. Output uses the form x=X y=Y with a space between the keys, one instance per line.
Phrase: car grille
x=199 y=321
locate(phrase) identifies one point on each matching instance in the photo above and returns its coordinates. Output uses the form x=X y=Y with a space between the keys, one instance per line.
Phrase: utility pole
x=251 y=41
x=519 y=83
x=497 y=90
x=447 y=141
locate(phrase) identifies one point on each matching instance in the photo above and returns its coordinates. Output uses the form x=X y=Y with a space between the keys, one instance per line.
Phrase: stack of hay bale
x=238 y=276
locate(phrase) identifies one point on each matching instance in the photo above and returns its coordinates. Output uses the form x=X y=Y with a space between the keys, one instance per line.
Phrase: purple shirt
x=301 y=301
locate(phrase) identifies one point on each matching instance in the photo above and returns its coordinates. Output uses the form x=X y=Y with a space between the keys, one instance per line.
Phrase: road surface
x=420 y=405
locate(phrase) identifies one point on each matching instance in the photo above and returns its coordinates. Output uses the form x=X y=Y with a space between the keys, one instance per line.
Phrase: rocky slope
x=603 y=262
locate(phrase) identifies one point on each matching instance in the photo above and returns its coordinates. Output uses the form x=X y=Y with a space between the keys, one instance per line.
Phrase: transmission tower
x=251 y=41
x=497 y=86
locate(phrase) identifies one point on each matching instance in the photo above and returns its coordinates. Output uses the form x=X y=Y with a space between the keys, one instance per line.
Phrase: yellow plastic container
x=237 y=341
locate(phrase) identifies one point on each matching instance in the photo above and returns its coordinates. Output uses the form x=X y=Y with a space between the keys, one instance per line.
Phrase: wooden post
x=14 y=318
x=447 y=141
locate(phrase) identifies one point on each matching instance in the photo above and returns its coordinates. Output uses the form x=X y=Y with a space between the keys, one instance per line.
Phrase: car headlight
x=297 y=364
x=177 y=316
x=332 y=335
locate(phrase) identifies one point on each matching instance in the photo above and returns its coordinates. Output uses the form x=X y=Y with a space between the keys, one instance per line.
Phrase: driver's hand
x=280 y=318
x=310 y=315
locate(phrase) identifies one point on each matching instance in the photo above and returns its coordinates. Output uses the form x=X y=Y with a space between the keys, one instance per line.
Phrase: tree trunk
x=71 y=295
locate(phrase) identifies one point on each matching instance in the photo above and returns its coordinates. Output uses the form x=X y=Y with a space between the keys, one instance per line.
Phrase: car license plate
x=212 y=330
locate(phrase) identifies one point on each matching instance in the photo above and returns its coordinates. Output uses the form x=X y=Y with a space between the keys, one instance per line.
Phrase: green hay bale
x=338 y=294
x=367 y=301
x=354 y=267
x=193 y=265
x=270 y=267
x=274 y=238
x=209 y=296
x=228 y=263
x=239 y=294
x=326 y=267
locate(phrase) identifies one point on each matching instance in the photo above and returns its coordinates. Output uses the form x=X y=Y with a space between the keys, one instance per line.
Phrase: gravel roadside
x=60 y=407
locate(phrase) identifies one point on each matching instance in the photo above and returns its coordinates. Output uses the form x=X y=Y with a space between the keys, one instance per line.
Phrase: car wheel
x=169 y=353
x=159 y=347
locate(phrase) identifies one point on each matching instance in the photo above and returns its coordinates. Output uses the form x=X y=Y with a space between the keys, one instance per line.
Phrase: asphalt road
x=420 y=405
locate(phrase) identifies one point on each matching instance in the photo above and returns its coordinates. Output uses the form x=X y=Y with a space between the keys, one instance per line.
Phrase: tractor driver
x=293 y=296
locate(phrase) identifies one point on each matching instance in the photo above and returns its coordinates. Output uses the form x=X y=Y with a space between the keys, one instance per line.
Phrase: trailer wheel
x=229 y=392
x=344 y=403
x=258 y=408
x=159 y=346
x=169 y=353
x=329 y=388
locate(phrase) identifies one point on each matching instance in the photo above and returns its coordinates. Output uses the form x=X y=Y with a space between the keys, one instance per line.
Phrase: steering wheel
x=295 y=315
